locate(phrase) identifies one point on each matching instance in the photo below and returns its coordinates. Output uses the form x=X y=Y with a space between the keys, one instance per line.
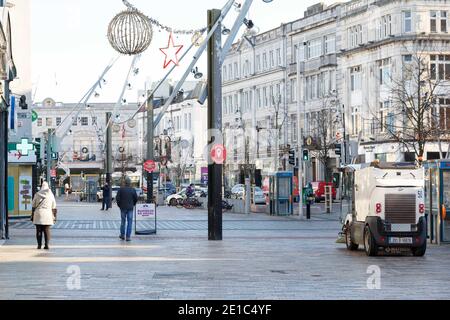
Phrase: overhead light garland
x=164 y=27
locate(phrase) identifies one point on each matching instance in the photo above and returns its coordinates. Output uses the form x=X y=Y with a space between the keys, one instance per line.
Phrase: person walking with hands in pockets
x=126 y=200
x=44 y=214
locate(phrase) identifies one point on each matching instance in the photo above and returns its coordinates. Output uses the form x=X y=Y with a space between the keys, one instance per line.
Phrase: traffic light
x=305 y=155
x=23 y=103
x=55 y=155
x=292 y=157
x=338 y=149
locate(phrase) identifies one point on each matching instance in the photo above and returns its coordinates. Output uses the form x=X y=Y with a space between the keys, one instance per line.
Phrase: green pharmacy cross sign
x=25 y=147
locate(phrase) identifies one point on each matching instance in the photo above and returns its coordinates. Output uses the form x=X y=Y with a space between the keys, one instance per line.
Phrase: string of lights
x=164 y=27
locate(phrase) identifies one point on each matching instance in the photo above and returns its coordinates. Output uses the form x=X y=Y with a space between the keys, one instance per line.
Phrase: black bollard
x=308 y=210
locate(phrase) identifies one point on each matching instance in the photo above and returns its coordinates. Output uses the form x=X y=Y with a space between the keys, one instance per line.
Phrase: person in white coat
x=44 y=214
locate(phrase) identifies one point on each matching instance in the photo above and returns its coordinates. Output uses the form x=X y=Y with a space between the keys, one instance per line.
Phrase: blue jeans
x=127 y=217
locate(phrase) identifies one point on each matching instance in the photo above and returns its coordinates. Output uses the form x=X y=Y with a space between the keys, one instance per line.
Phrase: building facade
x=81 y=139
x=335 y=68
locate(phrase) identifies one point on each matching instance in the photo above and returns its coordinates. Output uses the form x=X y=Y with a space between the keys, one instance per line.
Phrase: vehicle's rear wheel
x=173 y=202
x=369 y=243
x=420 y=251
x=348 y=239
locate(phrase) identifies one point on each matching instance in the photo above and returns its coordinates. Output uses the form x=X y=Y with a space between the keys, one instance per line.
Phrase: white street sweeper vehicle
x=384 y=208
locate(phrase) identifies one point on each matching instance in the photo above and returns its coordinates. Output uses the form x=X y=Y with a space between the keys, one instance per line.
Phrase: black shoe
x=46 y=248
x=122 y=238
x=39 y=247
x=128 y=240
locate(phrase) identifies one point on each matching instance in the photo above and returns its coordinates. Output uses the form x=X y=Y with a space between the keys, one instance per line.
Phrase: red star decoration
x=171 y=52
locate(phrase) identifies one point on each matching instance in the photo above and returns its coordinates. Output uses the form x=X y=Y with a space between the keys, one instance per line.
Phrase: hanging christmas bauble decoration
x=130 y=32
x=197 y=39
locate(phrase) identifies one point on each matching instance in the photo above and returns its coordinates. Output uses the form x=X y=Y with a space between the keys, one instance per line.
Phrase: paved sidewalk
x=261 y=257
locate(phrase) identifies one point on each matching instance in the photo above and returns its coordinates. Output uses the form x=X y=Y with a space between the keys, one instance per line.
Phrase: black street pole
x=4 y=164
x=150 y=147
x=214 y=125
x=109 y=157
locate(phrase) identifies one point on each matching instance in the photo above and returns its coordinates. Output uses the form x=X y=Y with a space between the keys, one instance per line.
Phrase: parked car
x=238 y=192
x=114 y=193
x=319 y=190
x=172 y=200
x=258 y=196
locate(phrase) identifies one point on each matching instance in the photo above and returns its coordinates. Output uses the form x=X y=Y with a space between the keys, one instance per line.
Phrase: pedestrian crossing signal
x=305 y=155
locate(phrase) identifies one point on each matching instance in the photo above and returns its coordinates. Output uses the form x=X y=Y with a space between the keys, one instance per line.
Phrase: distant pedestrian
x=44 y=214
x=126 y=200
x=67 y=191
x=106 y=201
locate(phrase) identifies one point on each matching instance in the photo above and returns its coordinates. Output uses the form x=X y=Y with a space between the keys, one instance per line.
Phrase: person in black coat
x=106 y=190
x=126 y=200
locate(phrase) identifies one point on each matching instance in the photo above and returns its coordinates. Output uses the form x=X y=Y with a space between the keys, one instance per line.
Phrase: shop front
x=437 y=197
x=21 y=161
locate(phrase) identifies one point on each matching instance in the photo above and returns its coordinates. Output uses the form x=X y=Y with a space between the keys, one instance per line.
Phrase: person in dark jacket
x=106 y=190
x=126 y=200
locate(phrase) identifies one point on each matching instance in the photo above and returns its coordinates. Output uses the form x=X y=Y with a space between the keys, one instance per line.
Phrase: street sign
x=150 y=166
x=145 y=213
x=218 y=154
x=53 y=173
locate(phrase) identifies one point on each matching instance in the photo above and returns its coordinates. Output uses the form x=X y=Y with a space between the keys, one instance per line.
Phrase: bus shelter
x=437 y=197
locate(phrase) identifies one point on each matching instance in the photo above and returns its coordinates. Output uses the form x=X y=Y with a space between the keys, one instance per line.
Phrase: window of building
x=258 y=63
x=266 y=97
x=387 y=25
x=356 y=121
x=301 y=53
x=314 y=48
x=49 y=122
x=385 y=71
x=279 y=58
x=295 y=54
x=39 y=122
x=294 y=128
x=265 y=66
x=315 y=87
x=236 y=71
x=407 y=21
x=84 y=121
x=225 y=74
x=74 y=121
x=440 y=67
x=190 y=121
x=385 y=116
x=330 y=44
x=444 y=115
x=294 y=90
x=94 y=121
x=58 y=121
x=272 y=59
x=355 y=78
x=438 y=21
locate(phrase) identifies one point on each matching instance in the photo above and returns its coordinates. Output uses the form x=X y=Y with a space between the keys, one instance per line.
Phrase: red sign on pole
x=53 y=173
x=150 y=166
x=219 y=154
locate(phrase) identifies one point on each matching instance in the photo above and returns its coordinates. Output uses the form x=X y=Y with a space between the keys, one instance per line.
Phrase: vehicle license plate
x=400 y=240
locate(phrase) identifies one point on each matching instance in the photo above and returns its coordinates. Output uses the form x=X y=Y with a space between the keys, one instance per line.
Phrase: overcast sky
x=70 y=48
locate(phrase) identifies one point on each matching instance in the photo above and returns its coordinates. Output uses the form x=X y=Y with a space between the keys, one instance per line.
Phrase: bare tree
x=324 y=122
x=278 y=120
x=411 y=117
